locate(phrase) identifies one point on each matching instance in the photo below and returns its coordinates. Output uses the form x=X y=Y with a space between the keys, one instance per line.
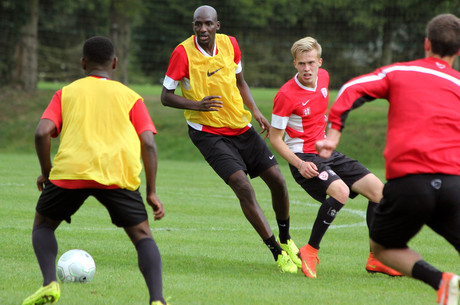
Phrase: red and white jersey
x=423 y=133
x=301 y=111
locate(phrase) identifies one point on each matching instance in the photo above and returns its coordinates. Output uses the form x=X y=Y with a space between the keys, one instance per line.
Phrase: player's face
x=307 y=64
x=205 y=27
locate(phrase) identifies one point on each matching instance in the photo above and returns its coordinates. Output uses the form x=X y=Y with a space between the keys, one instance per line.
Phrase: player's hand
x=308 y=169
x=41 y=182
x=263 y=122
x=325 y=148
x=209 y=103
x=155 y=203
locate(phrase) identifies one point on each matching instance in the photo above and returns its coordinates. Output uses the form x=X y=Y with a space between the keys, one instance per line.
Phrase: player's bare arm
x=43 y=134
x=248 y=100
x=306 y=169
x=327 y=146
x=150 y=160
x=208 y=103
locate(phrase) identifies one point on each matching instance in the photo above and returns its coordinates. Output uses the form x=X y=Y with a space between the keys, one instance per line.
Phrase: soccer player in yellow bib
x=104 y=128
x=208 y=68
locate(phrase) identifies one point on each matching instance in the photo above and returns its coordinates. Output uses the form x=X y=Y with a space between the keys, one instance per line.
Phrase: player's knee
x=339 y=190
x=240 y=185
x=139 y=232
x=275 y=180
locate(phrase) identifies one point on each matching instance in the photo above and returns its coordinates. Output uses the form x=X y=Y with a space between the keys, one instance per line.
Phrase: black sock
x=426 y=273
x=149 y=261
x=273 y=246
x=326 y=214
x=283 y=226
x=45 y=247
x=370 y=214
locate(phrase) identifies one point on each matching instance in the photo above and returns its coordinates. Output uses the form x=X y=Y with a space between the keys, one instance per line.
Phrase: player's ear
x=427 y=44
x=114 y=63
x=218 y=25
x=83 y=63
x=320 y=62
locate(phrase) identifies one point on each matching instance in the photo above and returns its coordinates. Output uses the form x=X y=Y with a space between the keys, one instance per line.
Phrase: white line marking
x=154 y=228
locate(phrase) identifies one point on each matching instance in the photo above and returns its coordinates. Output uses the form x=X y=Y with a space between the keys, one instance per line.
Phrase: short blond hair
x=305 y=44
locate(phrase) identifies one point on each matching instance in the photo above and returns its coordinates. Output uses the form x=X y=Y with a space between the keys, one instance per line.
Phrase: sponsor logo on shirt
x=213 y=72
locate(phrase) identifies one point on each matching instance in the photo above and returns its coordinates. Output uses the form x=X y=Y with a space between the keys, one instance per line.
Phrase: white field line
x=155 y=228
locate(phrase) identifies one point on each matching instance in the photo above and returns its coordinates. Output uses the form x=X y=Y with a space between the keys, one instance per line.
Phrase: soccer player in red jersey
x=208 y=68
x=299 y=110
x=104 y=129
x=422 y=153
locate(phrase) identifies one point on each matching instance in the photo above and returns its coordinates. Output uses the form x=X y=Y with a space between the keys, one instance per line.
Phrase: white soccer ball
x=76 y=266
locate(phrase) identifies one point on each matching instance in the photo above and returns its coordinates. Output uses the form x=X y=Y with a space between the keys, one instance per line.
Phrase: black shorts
x=126 y=208
x=412 y=201
x=338 y=166
x=228 y=154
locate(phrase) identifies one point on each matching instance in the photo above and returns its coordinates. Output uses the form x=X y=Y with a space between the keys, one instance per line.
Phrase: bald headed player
x=208 y=68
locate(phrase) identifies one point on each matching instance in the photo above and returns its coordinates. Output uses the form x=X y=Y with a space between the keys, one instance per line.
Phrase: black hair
x=98 y=49
x=443 y=31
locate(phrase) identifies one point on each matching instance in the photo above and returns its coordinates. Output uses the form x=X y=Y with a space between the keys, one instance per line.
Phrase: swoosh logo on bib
x=213 y=72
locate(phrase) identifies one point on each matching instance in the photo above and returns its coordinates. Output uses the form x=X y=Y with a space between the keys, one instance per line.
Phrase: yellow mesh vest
x=215 y=76
x=98 y=141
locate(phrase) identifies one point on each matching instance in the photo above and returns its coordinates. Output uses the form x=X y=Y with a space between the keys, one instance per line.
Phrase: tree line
x=42 y=39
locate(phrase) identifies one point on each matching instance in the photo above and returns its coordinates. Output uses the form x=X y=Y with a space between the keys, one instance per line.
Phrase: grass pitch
x=210 y=253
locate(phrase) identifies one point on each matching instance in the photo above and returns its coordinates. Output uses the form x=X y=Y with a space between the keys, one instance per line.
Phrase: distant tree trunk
x=25 y=71
x=387 y=52
x=120 y=32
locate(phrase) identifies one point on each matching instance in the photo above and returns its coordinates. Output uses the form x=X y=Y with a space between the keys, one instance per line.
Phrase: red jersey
x=423 y=133
x=301 y=111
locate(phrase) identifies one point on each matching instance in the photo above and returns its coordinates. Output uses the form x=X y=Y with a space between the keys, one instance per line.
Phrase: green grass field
x=363 y=139
x=211 y=255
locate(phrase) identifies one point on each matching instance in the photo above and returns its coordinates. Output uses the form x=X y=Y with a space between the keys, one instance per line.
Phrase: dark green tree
x=18 y=43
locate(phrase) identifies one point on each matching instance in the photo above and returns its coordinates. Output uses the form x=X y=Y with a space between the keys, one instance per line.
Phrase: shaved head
x=206 y=12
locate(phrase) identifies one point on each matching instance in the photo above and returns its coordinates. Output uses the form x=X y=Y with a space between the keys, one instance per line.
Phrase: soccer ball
x=76 y=266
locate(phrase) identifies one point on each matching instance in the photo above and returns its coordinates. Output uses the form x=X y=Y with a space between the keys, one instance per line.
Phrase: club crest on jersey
x=324 y=91
x=323 y=176
x=306 y=111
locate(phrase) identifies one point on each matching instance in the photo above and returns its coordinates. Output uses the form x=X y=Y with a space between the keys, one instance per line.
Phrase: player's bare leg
x=243 y=189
